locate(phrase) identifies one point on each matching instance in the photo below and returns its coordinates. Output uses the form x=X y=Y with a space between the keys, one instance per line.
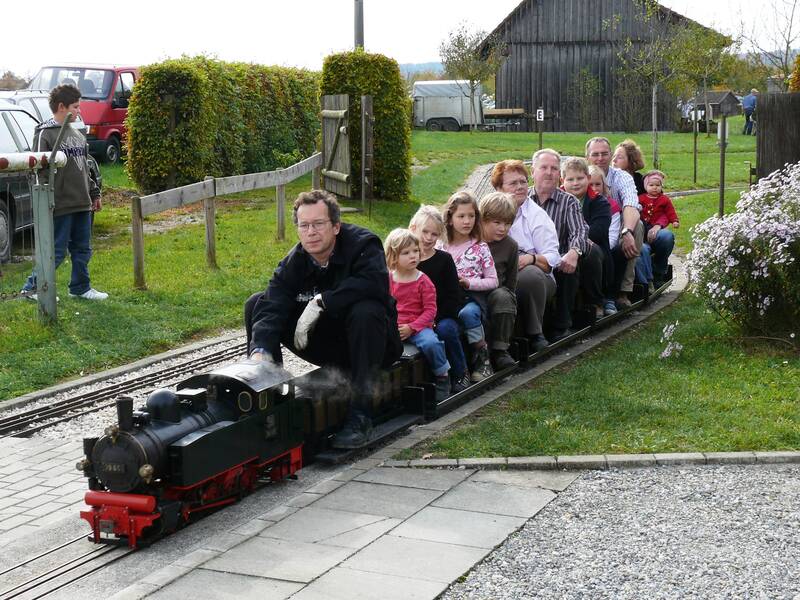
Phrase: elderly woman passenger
x=535 y=234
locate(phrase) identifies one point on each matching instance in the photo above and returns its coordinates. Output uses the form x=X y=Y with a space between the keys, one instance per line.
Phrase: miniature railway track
x=68 y=571
x=31 y=421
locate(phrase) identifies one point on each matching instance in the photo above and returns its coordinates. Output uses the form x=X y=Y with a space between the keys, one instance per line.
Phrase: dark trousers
x=361 y=342
x=589 y=277
x=748 y=122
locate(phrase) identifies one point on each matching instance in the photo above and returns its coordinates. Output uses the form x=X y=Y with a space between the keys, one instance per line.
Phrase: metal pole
x=694 y=131
x=359 y=24
x=723 y=142
x=44 y=203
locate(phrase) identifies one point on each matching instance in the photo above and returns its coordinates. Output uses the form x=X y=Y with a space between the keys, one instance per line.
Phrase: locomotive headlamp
x=146 y=473
x=112 y=431
x=82 y=464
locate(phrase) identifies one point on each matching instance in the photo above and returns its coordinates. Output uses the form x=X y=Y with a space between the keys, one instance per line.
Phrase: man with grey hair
x=631 y=236
x=581 y=260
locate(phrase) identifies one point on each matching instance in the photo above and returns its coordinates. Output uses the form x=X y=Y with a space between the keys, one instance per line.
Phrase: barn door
x=335 y=145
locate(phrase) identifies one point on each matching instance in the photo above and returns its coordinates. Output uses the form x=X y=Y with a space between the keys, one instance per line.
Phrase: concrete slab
x=375 y=499
x=349 y=584
x=359 y=538
x=279 y=559
x=349 y=474
x=583 y=461
x=303 y=499
x=450 y=463
x=434 y=479
x=483 y=463
x=462 y=527
x=314 y=524
x=430 y=561
x=200 y=582
x=325 y=487
x=730 y=458
x=496 y=498
x=279 y=512
x=777 y=457
x=550 y=480
x=680 y=458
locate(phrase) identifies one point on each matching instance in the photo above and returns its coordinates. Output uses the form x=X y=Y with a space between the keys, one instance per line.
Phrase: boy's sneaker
x=35 y=297
x=481 y=366
x=442 y=387
x=461 y=383
x=90 y=294
x=609 y=308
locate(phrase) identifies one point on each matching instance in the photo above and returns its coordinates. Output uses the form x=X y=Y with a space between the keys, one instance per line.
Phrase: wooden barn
x=562 y=55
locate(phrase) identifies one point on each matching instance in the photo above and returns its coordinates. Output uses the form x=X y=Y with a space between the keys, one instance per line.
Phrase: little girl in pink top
x=476 y=272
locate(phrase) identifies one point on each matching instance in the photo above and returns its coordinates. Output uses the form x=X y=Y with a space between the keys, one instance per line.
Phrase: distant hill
x=407 y=69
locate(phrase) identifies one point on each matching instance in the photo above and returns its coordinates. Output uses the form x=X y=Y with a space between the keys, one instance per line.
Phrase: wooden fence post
x=211 y=236
x=316 y=177
x=137 y=237
x=280 y=196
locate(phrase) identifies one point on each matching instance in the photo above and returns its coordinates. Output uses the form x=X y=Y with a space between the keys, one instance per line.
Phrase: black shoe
x=355 y=433
x=501 y=359
x=558 y=334
x=538 y=342
x=460 y=383
x=442 y=388
x=481 y=366
x=659 y=280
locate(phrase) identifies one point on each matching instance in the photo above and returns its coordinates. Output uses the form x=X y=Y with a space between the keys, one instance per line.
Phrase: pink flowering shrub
x=745 y=265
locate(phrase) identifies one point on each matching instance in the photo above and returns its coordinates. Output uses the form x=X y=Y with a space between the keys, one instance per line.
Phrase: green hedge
x=229 y=119
x=358 y=73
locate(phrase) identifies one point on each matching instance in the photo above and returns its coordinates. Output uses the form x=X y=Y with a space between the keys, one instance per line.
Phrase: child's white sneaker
x=91 y=294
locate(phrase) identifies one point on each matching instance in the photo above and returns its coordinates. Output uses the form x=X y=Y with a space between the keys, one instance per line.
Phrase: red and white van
x=105 y=93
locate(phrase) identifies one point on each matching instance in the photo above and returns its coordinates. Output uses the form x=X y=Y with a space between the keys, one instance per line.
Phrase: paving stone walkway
x=39 y=484
x=379 y=533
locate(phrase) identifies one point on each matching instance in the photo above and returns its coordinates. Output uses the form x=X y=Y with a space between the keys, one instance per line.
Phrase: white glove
x=307 y=321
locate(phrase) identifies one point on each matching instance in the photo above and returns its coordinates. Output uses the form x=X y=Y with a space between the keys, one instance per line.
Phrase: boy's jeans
x=71 y=232
x=433 y=348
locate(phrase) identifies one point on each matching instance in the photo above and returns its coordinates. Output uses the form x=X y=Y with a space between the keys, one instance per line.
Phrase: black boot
x=442 y=388
x=501 y=359
x=355 y=433
x=481 y=366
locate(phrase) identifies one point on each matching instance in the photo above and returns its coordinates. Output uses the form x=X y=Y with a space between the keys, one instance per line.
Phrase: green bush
x=794 y=79
x=360 y=74
x=230 y=118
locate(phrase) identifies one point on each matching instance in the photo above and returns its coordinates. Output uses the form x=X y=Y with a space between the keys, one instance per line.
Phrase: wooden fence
x=777 y=132
x=206 y=191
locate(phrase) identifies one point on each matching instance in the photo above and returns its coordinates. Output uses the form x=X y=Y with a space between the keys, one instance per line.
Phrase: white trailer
x=444 y=105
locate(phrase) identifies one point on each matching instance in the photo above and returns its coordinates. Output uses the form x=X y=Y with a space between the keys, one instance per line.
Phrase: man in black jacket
x=328 y=302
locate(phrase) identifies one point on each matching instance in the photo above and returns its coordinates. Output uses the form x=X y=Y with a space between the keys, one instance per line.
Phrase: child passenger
x=428 y=226
x=658 y=214
x=476 y=273
x=416 y=304
x=498 y=210
x=597 y=182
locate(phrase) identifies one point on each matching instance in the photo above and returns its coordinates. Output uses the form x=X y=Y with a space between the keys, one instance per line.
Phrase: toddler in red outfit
x=416 y=304
x=658 y=214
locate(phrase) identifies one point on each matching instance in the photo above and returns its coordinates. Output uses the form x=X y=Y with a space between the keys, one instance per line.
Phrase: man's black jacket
x=356 y=271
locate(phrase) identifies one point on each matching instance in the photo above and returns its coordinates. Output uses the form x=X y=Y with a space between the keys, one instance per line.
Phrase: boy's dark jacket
x=74 y=188
x=356 y=270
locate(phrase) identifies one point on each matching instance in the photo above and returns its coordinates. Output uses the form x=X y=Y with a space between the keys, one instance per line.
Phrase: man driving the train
x=328 y=302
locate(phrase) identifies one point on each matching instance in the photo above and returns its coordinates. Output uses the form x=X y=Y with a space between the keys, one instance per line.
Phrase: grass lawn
x=186 y=301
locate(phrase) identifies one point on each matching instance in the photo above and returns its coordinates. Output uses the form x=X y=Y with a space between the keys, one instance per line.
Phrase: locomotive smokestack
x=125 y=413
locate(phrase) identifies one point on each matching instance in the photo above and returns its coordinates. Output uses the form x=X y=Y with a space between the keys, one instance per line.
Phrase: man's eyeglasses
x=314 y=225
x=600 y=154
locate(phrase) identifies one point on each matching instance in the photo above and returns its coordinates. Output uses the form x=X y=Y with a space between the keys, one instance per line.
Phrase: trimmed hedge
x=358 y=73
x=229 y=119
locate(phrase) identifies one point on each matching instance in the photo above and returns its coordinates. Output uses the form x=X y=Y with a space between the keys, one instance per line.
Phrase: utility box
x=444 y=105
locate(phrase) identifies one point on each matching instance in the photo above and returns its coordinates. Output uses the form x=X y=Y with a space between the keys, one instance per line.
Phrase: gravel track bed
x=667 y=532
x=94 y=423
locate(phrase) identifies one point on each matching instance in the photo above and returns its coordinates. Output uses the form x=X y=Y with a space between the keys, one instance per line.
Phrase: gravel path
x=700 y=532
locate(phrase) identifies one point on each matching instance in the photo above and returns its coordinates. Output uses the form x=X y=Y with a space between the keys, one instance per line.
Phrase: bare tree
x=472 y=56
x=773 y=38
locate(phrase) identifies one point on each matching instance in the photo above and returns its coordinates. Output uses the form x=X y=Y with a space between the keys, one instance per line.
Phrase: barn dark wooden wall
x=550 y=41
x=777 y=132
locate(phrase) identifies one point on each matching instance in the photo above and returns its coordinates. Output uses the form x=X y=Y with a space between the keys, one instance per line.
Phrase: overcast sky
x=293 y=33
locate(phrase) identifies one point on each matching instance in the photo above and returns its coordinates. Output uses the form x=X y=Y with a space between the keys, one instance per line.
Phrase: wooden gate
x=336 y=145
x=777 y=132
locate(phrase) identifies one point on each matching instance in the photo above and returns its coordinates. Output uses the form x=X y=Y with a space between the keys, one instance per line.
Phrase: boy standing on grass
x=498 y=210
x=76 y=194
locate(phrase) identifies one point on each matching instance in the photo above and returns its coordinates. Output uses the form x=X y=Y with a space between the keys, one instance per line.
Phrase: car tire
x=451 y=125
x=6 y=232
x=434 y=125
x=113 y=150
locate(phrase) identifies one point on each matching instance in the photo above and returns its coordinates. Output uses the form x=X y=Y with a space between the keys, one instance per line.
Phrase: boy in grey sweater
x=76 y=194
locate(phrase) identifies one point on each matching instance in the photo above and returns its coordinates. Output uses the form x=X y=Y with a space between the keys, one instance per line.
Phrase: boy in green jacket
x=76 y=194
